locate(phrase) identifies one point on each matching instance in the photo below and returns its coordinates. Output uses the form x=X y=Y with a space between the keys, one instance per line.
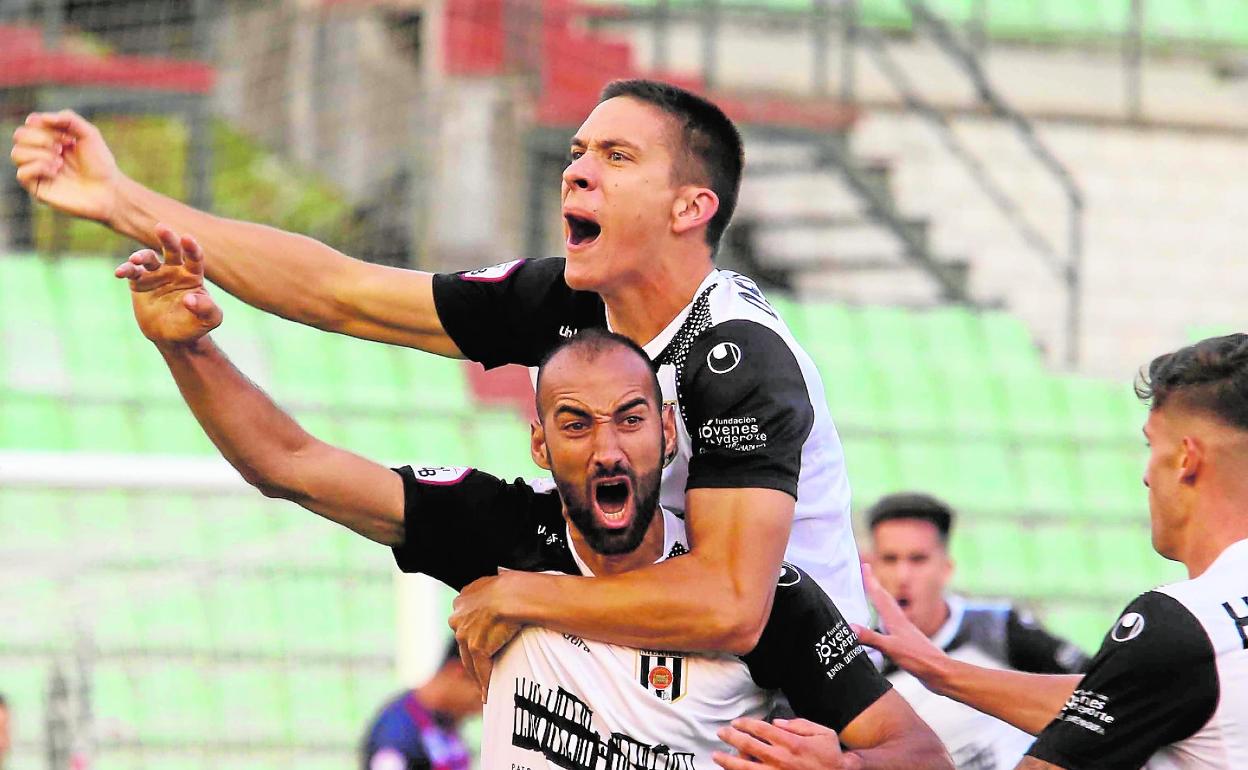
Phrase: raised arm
x=269 y=449
x=62 y=160
x=1027 y=701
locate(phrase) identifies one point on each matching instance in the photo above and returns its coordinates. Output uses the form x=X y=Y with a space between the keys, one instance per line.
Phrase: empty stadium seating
x=239 y=624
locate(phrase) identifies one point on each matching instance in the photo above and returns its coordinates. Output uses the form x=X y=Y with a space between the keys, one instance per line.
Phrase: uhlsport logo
x=789 y=576
x=663 y=673
x=724 y=357
x=1128 y=627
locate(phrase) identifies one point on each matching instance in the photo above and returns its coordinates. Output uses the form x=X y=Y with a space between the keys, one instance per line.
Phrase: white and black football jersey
x=556 y=700
x=750 y=400
x=1168 y=689
x=991 y=635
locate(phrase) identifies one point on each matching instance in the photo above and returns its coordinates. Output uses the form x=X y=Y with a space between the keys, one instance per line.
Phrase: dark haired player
x=910 y=557
x=1168 y=690
x=651 y=183
x=557 y=700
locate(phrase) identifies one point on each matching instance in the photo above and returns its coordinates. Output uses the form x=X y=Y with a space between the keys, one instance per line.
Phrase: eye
x=575 y=154
x=574 y=426
x=634 y=419
x=617 y=157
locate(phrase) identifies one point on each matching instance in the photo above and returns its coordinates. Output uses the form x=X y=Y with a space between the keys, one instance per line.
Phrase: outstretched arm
x=62 y=160
x=1027 y=701
x=266 y=446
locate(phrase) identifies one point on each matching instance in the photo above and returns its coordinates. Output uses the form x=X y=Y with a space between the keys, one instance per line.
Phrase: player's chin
x=585 y=269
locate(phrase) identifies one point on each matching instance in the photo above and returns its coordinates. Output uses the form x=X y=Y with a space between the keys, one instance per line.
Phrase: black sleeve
x=746 y=407
x=1153 y=682
x=1031 y=648
x=512 y=313
x=809 y=653
x=460 y=524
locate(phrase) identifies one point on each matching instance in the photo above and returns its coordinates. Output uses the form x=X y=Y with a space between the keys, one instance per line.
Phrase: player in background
x=1168 y=689
x=419 y=729
x=604 y=433
x=910 y=558
x=651 y=184
x=5 y=735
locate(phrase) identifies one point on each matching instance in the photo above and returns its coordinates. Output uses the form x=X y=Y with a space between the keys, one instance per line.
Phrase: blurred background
x=979 y=216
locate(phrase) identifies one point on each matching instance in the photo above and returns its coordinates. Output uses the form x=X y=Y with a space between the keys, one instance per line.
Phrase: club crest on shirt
x=663 y=673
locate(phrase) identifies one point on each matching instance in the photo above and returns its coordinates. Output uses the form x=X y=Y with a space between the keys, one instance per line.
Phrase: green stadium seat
x=385 y=438
x=373 y=686
x=300 y=363
x=927 y=465
x=311 y=614
x=173 y=612
x=369 y=373
x=170 y=428
x=891 y=335
x=102 y=427
x=1128 y=564
x=855 y=396
x=790 y=311
x=243 y=613
x=1063 y=558
x=1008 y=345
x=949 y=340
x=915 y=402
x=1111 y=479
x=953 y=11
x=976 y=404
x=829 y=335
x=255 y=703
x=113 y=702
x=24 y=681
x=171 y=527
x=1085 y=625
x=502 y=445
x=115 y=611
x=987 y=477
x=31 y=357
x=102 y=523
x=1035 y=407
x=872 y=465
x=33 y=421
x=98 y=332
x=176 y=702
x=1166 y=20
x=999 y=560
x=431 y=382
x=1098 y=409
x=1050 y=483
x=33 y=520
x=321 y=706
x=370 y=615
x=1015 y=20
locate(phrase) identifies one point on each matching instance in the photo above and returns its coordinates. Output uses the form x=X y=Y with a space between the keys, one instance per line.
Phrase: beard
x=613 y=542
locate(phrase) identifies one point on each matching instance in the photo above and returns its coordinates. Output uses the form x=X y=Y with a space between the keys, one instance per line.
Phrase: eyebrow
x=636 y=402
x=572 y=410
x=606 y=144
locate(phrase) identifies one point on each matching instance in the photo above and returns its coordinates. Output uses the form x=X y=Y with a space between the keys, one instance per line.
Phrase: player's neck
x=643 y=308
x=1205 y=543
x=935 y=621
x=648 y=552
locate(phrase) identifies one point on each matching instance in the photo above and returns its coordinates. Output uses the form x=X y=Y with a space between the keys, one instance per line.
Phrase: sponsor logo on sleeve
x=1128 y=627
x=1089 y=710
x=837 y=648
x=441 y=475
x=724 y=357
x=493 y=273
x=789 y=576
x=742 y=434
x=1240 y=621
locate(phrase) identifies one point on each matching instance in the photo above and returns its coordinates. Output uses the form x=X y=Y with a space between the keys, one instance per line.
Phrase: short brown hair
x=1210 y=376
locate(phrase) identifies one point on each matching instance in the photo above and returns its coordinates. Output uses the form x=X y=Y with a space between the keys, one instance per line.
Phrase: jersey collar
x=656 y=346
x=675 y=541
x=945 y=635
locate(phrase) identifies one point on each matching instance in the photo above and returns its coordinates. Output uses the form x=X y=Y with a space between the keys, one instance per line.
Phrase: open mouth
x=611 y=496
x=903 y=602
x=581 y=229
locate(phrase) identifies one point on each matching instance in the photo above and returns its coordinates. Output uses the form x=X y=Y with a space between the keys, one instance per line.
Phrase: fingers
x=887 y=607
x=804 y=727
x=193 y=254
x=202 y=305
x=747 y=744
x=465 y=657
x=765 y=731
x=29 y=174
x=22 y=154
x=67 y=120
x=170 y=245
x=870 y=637
x=38 y=138
x=730 y=762
x=485 y=666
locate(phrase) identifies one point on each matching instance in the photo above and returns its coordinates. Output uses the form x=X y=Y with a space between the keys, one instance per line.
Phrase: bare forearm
x=920 y=752
x=1031 y=763
x=679 y=604
x=295 y=276
x=1027 y=701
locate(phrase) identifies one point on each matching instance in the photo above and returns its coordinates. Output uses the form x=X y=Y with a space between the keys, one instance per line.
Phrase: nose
x=580 y=173
x=608 y=453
